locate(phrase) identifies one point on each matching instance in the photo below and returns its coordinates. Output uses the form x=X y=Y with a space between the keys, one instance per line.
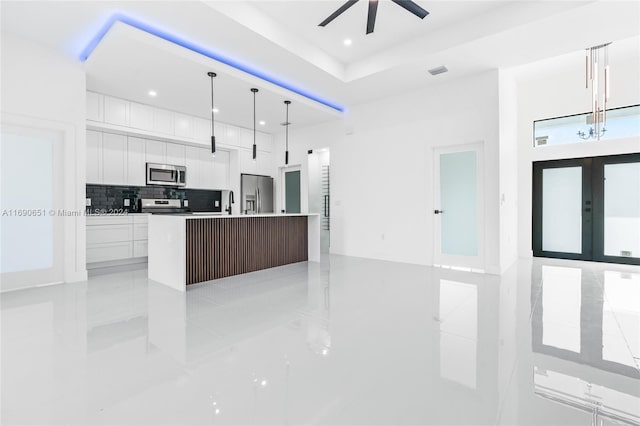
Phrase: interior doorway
x=459 y=206
x=292 y=191
x=320 y=192
x=588 y=209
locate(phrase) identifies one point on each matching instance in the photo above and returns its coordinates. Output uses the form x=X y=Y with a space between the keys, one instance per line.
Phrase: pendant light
x=213 y=135
x=597 y=74
x=286 y=124
x=254 y=90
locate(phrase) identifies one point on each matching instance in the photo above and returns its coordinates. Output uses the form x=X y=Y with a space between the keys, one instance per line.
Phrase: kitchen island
x=188 y=249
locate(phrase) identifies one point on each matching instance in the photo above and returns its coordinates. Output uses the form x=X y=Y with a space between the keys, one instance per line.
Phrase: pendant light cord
x=287 y=126
x=254 y=90
x=212 y=106
x=213 y=134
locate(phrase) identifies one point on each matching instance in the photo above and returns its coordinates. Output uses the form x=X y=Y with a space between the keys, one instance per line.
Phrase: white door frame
x=283 y=186
x=458 y=261
x=63 y=248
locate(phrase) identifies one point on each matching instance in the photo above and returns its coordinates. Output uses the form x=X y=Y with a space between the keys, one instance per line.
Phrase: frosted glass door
x=458 y=202
x=622 y=209
x=292 y=191
x=458 y=206
x=588 y=208
x=562 y=209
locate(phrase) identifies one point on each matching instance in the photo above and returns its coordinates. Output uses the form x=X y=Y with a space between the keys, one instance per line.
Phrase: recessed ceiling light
x=347 y=42
x=216 y=110
x=262 y=122
x=153 y=93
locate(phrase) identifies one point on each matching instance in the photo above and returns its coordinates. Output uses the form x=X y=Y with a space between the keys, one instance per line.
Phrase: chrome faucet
x=231 y=201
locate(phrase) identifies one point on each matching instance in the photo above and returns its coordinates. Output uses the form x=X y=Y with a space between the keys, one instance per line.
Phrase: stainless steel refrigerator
x=256 y=193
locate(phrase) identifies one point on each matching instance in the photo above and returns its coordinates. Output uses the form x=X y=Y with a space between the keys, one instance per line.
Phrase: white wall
x=508 y=158
x=381 y=171
x=45 y=91
x=556 y=87
x=301 y=140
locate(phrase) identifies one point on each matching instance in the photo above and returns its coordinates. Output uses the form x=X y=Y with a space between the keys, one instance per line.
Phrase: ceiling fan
x=373 y=9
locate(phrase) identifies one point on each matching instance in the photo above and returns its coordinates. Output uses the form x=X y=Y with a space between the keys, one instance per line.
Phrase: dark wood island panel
x=221 y=247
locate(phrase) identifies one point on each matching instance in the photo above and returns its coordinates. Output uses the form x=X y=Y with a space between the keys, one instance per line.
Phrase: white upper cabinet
x=184 y=126
x=141 y=116
x=95 y=106
x=262 y=166
x=175 y=154
x=232 y=135
x=193 y=166
x=136 y=164
x=246 y=138
x=202 y=131
x=116 y=111
x=163 y=121
x=247 y=165
x=264 y=141
x=156 y=152
x=221 y=163
x=114 y=159
x=94 y=157
x=205 y=171
x=207 y=167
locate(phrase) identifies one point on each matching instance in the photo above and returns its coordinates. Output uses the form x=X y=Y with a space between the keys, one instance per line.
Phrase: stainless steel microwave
x=166 y=174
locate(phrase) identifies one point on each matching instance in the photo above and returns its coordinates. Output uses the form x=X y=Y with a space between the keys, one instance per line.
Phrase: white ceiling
x=394 y=25
x=129 y=63
x=283 y=40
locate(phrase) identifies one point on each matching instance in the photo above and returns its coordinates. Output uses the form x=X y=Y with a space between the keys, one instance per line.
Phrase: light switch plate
x=87 y=202
x=186 y=203
x=127 y=202
x=216 y=203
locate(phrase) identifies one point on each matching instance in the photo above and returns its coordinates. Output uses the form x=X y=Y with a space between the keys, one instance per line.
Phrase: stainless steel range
x=162 y=206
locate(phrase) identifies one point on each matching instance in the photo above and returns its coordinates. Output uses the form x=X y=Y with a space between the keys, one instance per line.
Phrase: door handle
x=258 y=200
x=438 y=211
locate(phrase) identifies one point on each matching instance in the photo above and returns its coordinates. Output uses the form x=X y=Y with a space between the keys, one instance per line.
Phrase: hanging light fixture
x=213 y=135
x=286 y=124
x=597 y=74
x=254 y=90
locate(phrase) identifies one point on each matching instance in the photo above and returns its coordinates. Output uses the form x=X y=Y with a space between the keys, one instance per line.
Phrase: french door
x=588 y=209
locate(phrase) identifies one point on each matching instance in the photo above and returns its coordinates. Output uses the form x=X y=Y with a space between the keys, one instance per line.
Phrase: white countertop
x=226 y=216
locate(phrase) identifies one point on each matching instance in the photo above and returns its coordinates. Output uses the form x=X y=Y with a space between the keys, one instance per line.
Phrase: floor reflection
x=582 y=358
x=347 y=341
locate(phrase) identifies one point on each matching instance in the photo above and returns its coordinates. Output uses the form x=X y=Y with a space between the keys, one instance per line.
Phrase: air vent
x=438 y=70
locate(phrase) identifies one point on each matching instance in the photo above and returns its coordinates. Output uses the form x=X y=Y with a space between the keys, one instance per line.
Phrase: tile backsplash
x=110 y=197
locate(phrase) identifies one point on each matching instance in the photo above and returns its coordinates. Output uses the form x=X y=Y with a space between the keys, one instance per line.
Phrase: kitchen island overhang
x=189 y=249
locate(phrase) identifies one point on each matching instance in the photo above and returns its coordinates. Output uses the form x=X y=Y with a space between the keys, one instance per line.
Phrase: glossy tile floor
x=349 y=341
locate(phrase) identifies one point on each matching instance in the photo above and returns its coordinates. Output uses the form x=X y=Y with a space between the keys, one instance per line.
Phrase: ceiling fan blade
x=412 y=7
x=371 y=17
x=338 y=12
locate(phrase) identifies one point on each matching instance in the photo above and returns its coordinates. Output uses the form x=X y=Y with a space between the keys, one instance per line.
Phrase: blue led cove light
x=142 y=26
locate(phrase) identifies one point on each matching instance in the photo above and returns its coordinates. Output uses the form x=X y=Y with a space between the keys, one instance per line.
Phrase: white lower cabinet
x=140 y=248
x=105 y=252
x=116 y=238
x=108 y=233
x=140 y=231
